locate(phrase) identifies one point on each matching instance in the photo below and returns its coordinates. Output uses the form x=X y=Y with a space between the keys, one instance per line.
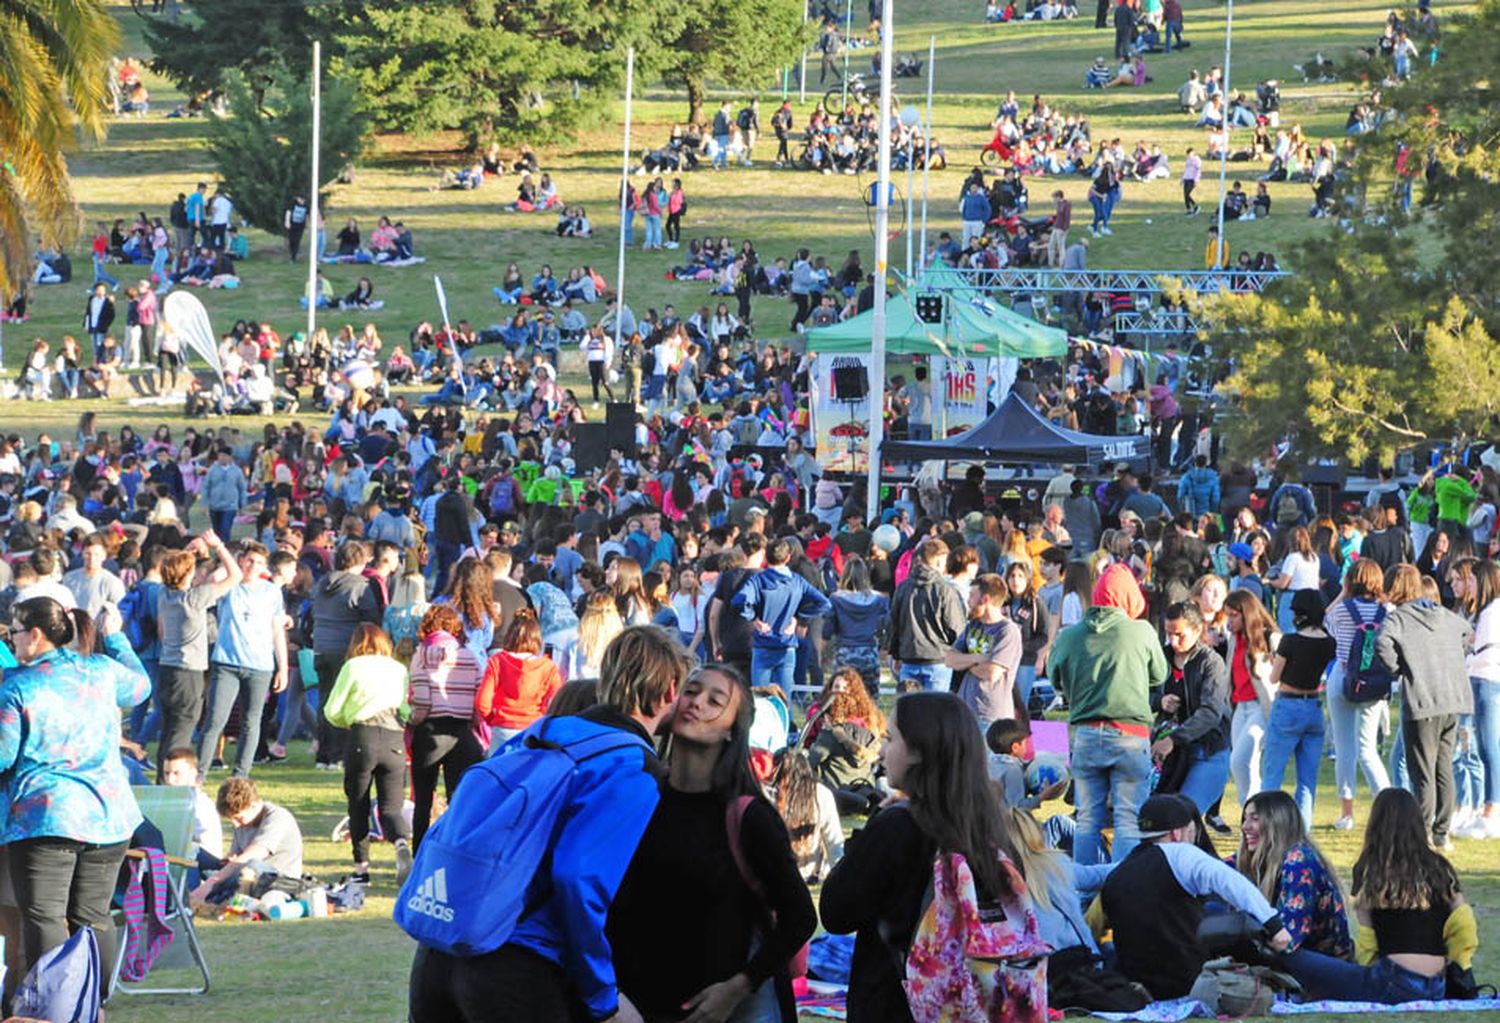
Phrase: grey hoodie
x=1425 y=644
x=927 y=614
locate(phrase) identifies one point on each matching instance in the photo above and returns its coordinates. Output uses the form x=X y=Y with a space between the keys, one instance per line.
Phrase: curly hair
x=852 y=703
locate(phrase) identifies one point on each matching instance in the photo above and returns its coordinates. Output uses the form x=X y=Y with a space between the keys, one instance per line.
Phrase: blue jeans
x=773 y=666
x=1468 y=766
x=1206 y=775
x=653 y=230
x=1108 y=766
x=222 y=520
x=101 y=274
x=1100 y=217
x=1487 y=733
x=227 y=683
x=1400 y=776
x=445 y=554
x=145 y=717
x=1355 y=730
x=1295 y=733
x=629 y=226
x=1174 y=30
x=510 y=297
x=938 y=677
x=159 y=263
x=808 y=670
x=1025 y=680
x=721 y=151
x=1109 y=203
x=1324 y=977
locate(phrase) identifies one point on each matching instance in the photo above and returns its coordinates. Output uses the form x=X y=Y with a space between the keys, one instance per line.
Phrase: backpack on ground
x=63 y=986
x=1077 y=980
x=465 y=896
x=976 y=964
x=1288 y=509
x=1235 y=990
x=1366 y=679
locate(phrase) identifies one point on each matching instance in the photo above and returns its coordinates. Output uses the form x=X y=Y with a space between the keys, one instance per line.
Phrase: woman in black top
x=1193 y=744
x=1295 y=728
x=936 y=757
x=348 y=237
x=1030 y=615
x=703 y=927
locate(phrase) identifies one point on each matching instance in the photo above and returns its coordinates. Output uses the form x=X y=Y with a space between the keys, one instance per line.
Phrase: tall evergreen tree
x=743 y=44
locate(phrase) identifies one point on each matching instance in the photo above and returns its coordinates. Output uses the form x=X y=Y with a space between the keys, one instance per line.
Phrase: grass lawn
x=355 y=968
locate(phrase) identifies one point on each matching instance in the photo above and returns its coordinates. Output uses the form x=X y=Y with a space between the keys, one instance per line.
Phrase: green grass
x=355 y=968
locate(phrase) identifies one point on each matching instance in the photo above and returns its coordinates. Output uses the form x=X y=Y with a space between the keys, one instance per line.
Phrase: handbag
x=1237 y=991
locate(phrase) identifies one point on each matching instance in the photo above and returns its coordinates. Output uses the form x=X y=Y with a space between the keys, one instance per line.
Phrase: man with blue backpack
x=511 y=888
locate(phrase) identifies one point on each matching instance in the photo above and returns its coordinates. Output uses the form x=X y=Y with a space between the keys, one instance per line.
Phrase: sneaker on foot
x=1344 y=824
x=1216 y=822
x=403 y=861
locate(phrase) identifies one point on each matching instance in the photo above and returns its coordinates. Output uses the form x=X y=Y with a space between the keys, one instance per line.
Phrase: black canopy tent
x=1016 y=433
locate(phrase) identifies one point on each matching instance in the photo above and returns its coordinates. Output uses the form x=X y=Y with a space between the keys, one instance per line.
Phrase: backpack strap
x=734 y=821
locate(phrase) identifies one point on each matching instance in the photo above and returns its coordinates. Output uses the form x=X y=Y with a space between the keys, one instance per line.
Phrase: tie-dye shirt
x=60 y=769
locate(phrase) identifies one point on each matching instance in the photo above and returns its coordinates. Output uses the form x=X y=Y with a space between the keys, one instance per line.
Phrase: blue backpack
x=491 y=844
x=138 y=616
x=63 y=986
x=1365 y=678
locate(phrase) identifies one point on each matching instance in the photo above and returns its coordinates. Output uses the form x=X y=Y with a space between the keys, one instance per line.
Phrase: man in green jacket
x=1105 y=667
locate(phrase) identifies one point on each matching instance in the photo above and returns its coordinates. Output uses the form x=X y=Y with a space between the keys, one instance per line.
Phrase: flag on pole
x=442 y=297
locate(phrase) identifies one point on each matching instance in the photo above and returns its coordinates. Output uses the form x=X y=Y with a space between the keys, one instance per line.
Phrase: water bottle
x=317 y=903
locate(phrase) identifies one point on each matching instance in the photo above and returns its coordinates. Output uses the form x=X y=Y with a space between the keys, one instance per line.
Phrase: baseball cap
x=1161 y=814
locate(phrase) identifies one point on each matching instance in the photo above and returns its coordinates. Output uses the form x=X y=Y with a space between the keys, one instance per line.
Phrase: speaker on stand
x=619 y=428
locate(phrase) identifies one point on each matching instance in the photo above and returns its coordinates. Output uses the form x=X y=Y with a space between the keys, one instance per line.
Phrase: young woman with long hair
x=1413 y=919
x=1290 y=870
x=936 y=758
x=471 y=592
x=1059 y=887
x=1026 y=610
x=1483 y=668
x=1356 y=726
x=842 y=738
x=811 y=815
x=366 y=698
x=1294 y=731
x=445 y=679
x=1078 y=593
x=690 y=606
x=519 y=680
x=723 y=953
x=1209 y=593
x=1252 y=639
x=599 y=624
x=859 y=613
x=1299 y=570
x=627 y=583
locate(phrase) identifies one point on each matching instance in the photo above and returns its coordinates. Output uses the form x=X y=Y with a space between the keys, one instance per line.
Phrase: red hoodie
x=517 y=689
x=1117 y=588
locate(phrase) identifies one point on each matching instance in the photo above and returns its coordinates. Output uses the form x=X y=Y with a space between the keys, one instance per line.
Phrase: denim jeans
x=226 y=684
x=222 y=520
x=773 y=666
x=1396 y=760
x=297 y=714
x=1174 y=30
x=629 y=226
x=1324 y=977
x=721 y=151
x=931 y=677
x=101 y=274
x=1206 y=775
x=1356 y=727
x=1487 y=733
x=145 y=717
x=1025 y=680
x=1108 y=766
x=1468 y=767
x=653 y=230
x=1247 y=736
x=1295 y=733
x=808 y=670
x=1100 y=217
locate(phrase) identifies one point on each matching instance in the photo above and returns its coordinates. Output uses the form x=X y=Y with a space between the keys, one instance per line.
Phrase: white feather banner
x=183 y=315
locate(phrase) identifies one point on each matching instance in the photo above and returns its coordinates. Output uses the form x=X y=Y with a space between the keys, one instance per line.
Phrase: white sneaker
x=1485 y=827
x=1462 y=816
x=1344 y=824
x=1473 y=827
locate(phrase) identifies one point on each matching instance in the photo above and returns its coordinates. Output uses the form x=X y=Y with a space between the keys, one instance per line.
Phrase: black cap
x=1161 y=814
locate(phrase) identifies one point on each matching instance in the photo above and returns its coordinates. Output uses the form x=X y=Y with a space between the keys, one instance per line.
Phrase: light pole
x=882 y=254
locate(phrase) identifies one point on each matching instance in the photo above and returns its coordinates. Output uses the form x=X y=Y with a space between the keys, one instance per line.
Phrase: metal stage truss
x=1046 y=279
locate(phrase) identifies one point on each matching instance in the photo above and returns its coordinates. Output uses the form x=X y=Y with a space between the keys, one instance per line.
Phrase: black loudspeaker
x=850 y=383
x=590 y=446
x=619 y=427
x=930 y=308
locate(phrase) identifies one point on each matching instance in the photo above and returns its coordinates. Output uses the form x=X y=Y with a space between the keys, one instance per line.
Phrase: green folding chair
x=170 y=808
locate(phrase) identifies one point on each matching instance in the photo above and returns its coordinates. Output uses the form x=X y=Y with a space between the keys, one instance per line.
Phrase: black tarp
x=1016 y=433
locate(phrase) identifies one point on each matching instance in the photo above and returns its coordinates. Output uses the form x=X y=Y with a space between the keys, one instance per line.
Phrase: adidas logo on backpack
x=431 y=899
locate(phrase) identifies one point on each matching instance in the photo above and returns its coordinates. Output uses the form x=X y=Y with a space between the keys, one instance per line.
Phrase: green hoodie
x=1106 y=665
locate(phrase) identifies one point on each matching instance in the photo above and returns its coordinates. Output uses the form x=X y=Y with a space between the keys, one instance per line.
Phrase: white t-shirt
x=1072 y=610
x=219 y=209
x=1303 y=572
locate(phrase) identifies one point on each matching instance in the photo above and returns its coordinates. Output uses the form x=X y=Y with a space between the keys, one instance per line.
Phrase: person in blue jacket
x=772 y=600
x=69 y=811
x=557 y=965
x=1198 y=490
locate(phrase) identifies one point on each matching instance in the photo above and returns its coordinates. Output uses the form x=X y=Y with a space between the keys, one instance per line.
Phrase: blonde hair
x=369 y=640
x=598 y=626
x=165 y=510
x=1042 y=867
x=642 y=669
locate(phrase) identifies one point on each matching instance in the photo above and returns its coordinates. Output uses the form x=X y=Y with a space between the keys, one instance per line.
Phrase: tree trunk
x=695 y=100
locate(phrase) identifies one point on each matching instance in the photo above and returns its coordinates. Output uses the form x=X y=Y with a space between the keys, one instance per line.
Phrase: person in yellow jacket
x=1414 y=923
x=1216 y=253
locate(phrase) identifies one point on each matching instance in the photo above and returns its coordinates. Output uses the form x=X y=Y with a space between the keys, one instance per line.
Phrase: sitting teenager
x=842 y=740
x=810 y=813
x=266 y=841
x=1290 y=870
x=1156 y=898
x=714 y=956
x=1413 y=919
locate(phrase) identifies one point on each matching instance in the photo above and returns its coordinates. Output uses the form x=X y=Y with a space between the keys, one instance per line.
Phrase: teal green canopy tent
x=968 y=331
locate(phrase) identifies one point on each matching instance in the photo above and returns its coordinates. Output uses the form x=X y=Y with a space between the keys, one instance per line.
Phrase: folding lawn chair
x=170 y=808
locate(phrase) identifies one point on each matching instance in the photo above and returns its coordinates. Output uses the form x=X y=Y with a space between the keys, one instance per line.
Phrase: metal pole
x=312 y=196
x=910 y=212
x=1224 y=156
x=882 y=255
x=927 y=163
x=802 y=71
x=848 y=27
x=624 y=192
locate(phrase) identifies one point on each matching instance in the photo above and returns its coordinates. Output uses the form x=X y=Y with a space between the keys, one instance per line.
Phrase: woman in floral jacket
x=1293 y=874
x=69 y=811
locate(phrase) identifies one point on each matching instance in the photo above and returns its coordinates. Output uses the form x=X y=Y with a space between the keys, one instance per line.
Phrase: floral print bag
x=976 y=964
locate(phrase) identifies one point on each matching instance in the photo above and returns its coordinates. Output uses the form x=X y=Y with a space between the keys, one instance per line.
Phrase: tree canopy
x=739 y=43
x=54 y=75
x=261 y=147
x=1386 y=335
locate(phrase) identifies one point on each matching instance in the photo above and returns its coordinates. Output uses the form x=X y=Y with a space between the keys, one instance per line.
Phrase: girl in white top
x=1299 y=570
x=690 y=603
